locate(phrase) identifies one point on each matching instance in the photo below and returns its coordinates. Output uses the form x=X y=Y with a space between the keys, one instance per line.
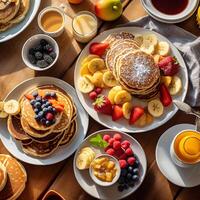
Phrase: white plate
x=181 y=176
x=166 y=19
x=122 y=125
x=111 y=192
x=62 y=152
x=18 y=28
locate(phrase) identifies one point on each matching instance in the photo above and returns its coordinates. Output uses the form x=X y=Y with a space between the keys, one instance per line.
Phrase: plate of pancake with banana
x=44 y=122
x=15 y=16
x=127 y=78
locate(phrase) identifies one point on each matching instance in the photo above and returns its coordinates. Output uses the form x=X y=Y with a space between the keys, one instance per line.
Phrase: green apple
x=108 y=10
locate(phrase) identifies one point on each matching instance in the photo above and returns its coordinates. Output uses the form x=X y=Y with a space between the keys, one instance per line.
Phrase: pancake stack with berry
x=47 y=120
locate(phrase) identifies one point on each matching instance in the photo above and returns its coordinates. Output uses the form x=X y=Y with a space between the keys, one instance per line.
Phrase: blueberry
x=35 y=94
x=36 y=110
x=53 y=94
x=31 y=51
x=128 y=176
x=43 y=121
x=136 y=171
x=126 y=186
x=48 y=94
x=43 y=106
x=45 y=110
x=54 y=110
x=44 y=101
x=131 y=183
x=123 y=172
x=130 y=169
x=48 y=123
x=43 y=42
x=32 y=102
x=50 y=108
x=37 y=105
x=37 y=117
x=48 y=58
x=41 y=114
x=42 y=63
x=31 y=58
x=136 y=164
x=120 y=188
x=121 y=180
x=53 y=121
x=39 y=99
x=47 y=104
x=53 y=55
x=135 y=177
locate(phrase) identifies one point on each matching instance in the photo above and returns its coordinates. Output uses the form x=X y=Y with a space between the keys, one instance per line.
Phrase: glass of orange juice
x=185 y=148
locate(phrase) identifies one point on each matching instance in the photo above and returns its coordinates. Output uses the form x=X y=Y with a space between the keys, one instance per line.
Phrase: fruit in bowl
x=108 y=10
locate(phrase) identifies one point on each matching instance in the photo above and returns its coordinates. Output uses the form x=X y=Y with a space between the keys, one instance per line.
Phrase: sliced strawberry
x=165 y=61
x=117 y=113
x=53 y=101
x=58 y=108
x=136 y=113
x=98 y=48
x=165 y=96
x=103 y=105
x=29 y=96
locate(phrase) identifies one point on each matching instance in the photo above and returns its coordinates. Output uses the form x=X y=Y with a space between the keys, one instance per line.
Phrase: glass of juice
x=51 y=21
x=84 y=26
x=185 y=148
x=52 y=195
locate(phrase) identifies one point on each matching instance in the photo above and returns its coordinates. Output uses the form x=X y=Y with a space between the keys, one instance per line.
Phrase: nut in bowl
x=40 y=52
x=105 y=170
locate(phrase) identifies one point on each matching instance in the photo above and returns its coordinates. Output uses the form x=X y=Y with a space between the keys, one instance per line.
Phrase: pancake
x=16 y=178
x=23 y=9
x=138 y=70
x=117 y=50
x=42 y=149
x=9 y=11
x=15 y=128
x=3 y=176
x=26 y=142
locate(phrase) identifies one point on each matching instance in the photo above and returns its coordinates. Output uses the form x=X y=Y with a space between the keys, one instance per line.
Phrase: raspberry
x=122 y=164
x=98 y=90
x=125 y=144
x=129 y=152
x=110 y=151
x=123 y=156
x=110 y=141
x=106 y=138
x=131 y=160
x=93 y=95
x=116 y=145
x=117 y=137
x=119 y=152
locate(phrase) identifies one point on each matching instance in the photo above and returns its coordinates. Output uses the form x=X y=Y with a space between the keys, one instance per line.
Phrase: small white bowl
x=44 y=11
x=33 y=41
x=103 y=183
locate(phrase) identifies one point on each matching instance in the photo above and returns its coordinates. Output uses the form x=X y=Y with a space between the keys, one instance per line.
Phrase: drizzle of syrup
x=170 y=7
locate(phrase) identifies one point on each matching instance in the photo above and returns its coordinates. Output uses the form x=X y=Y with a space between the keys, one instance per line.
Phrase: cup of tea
x=185 y=148
x=51 y=21
x=53 y=195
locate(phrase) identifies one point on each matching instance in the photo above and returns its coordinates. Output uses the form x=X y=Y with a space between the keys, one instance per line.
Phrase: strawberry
x=103 y=105
x=117 y=113
x=93 y=95
x=29 y=96
x=58 y=108
x=49 y=116
x=165 y=96
x=136 y=113
x=169 y=66
x=98 y=48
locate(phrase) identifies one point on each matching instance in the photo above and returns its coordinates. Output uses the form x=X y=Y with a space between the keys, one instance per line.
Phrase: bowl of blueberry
x=40 y=52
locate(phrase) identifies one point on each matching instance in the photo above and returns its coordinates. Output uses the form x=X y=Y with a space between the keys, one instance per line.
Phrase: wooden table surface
x=60 y=176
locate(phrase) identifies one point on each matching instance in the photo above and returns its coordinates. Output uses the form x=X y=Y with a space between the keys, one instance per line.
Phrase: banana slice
x=97 y=79
x=166 y=80
x=109 y=79
x=147 y=47
x=3 y=114
x=139 y=39
x=85 y=85
x=11 y=107
x=122 y=97
x=151 y=38
x=96 y=64
x=113 y=92
x=155 y=108
x=141 y=122
x=88 y=76
x=84 y=70
x=126 y=109
x=149 y=119
x=175 y=85
x=156 y=58
x=89 y=58
x=163 y=48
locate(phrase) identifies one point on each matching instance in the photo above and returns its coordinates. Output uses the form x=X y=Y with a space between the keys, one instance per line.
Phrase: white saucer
x=183 y=177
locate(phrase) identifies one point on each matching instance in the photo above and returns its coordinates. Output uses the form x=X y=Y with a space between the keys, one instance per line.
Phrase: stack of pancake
x=12 y=178
x=135 y=70
x=12 y=12
x=37 y=139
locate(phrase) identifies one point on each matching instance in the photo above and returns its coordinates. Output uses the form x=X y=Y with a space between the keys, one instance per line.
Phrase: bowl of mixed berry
x=40 y=52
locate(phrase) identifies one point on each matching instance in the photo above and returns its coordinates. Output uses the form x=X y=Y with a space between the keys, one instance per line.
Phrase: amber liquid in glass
x=53 y=197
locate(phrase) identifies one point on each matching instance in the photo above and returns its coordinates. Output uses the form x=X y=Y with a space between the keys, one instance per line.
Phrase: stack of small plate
x=170 y=19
